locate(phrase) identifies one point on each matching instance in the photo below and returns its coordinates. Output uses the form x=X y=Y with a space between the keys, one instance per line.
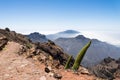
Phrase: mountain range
x=72 y=42
x=97 y=52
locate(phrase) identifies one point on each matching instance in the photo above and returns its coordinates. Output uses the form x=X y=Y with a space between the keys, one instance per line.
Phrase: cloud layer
x=107 y=36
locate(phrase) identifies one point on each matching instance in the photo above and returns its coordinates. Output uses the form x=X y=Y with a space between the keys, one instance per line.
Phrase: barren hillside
x=20 y=59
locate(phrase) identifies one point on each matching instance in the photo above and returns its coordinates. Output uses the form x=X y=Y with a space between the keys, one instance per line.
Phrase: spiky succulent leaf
x=67 y=65
x=80 y=56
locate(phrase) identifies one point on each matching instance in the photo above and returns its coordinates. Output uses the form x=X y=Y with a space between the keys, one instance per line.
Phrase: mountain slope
x=13 y=36
x=97 y=52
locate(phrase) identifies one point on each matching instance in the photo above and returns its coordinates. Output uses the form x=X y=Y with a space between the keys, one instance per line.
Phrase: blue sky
x=27 y=16
x=52 y=15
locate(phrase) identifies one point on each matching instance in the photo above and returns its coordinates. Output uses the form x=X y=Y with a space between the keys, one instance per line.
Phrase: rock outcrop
x=51 y=53
x=3 y=41
x=109 y=68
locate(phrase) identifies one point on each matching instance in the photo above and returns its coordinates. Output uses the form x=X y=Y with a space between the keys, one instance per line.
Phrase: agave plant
x=80 y=56
x=67 y=65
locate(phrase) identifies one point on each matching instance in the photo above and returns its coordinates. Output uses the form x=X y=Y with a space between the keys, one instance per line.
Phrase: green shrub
x=28 y=45
x=7 y=29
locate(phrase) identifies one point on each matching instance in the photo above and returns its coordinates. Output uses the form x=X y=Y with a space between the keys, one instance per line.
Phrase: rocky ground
x=20 y=59
x=16 y=67
x=109 y=68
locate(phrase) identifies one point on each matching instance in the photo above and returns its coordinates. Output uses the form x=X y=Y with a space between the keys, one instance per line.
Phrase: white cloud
x=106 y=36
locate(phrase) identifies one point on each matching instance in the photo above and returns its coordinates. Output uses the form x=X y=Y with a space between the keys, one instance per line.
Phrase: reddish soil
x=73 y=76
x=15 y=67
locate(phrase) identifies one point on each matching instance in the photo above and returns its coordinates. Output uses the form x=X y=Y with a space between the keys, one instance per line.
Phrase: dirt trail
x=15 y=67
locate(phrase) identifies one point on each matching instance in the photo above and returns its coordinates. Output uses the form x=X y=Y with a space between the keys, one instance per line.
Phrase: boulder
x=57 y=76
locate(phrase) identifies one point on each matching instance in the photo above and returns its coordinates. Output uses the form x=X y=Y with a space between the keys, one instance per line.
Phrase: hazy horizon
x=105 y=36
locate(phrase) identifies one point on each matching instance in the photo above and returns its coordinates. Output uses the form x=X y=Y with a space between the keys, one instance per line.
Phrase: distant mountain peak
x=37 y=37
x=70 y=32
x=63 y=34
x=80 y=37
x=37 y=34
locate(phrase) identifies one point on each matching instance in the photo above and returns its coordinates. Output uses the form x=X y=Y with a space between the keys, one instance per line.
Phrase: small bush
x=28 y=45
x=7 y=29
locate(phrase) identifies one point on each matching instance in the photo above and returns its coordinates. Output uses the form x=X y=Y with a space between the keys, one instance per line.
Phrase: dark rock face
x=117 y=73
x=118 y=61
x=108 y=60
x=3 y=42
x=50 y=54
x=108 y=69
x=37 y=37
x=53 y=50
